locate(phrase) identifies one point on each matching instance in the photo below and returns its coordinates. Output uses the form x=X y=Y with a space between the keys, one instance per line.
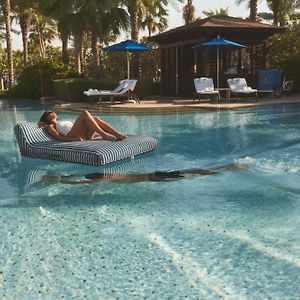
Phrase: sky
x=175 y=14
x=175 y=9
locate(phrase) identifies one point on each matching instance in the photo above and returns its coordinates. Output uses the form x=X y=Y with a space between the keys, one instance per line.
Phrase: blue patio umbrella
x=128 y=46
x=219 y=43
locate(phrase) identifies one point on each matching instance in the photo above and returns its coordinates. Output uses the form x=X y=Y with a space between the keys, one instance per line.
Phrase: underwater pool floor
x=233 y=235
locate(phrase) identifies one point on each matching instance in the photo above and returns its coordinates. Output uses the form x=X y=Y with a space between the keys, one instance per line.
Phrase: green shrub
x=285 y=52
x=29 y=85
x=71 y=89
x=146 y=88
x=37 y=80
x=291 y=70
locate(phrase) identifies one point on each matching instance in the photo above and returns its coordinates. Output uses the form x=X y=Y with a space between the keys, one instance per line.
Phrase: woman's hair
x=44 y=119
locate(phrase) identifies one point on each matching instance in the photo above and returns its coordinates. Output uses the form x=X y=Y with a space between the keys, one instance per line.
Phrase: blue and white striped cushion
x=36 y=142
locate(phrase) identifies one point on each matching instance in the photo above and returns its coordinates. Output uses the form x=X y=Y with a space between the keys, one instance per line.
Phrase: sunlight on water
x=232 y=235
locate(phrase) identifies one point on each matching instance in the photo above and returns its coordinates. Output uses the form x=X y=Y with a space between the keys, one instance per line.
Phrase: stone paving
x=174 y=105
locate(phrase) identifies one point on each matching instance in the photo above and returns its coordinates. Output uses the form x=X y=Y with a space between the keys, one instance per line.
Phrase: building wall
x=181 y=64
x=168 y=71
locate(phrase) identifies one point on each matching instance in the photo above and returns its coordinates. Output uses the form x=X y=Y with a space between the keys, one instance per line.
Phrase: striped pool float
x=36 y=142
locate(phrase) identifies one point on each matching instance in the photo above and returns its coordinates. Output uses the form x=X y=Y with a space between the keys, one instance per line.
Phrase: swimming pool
x=233 y=235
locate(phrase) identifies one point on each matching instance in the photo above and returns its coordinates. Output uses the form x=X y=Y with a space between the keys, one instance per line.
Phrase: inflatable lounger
x=36 y=142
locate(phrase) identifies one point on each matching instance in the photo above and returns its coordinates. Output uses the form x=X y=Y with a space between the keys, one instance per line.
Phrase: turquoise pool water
x=234 y=235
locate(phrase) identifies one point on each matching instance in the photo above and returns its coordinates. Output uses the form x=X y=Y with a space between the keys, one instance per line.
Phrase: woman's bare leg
x=109 y=129
x=91 y=134
x=85 y=125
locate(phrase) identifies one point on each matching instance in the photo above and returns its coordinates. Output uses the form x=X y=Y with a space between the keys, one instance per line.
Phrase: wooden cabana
x=180 y=63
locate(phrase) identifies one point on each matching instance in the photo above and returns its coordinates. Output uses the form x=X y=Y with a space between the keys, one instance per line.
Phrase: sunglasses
x=49 y=112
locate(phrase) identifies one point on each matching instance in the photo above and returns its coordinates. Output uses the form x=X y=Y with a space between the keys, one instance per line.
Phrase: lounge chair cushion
x=36 y=142
x=239 y=85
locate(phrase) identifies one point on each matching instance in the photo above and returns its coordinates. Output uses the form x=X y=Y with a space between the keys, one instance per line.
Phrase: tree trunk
x=65 y=47
x=253 y=10
x=42 y=46
x=275 y=7
x=77 y=52
x=253 y=17
x=188 y=12
x=10 y=63
x=25 y=21
x=95 y=52
x=133 y=12
x=41 y=37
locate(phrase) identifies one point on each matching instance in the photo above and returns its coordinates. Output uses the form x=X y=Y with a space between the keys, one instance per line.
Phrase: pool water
x=233 y=235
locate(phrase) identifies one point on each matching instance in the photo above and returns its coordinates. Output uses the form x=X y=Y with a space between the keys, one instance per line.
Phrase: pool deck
x=166 y=105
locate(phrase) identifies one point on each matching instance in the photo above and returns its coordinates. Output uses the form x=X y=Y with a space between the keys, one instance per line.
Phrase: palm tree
x=2 y=28
x=274 y=6
x=137 y=11
x=253 y=17
x=216 y=12
x=24 y=10
x=5 y=4
x=44 y=30
x=188 y=12
x=105 y=18
x=97 y=18
x=60 y=11
x=133 y=7
x=155 y=18
x=282 y=11
x=253 y=8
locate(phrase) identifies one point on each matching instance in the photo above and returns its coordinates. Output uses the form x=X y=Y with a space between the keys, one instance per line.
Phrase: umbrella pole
x=218 y=67
x=176 y=71
x=128 y=65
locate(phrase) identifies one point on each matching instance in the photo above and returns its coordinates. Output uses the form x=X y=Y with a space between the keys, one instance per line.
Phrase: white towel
x=209 y=89
x=91 y=92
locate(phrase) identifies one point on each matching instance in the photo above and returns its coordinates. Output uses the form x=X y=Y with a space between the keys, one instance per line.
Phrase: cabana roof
x=223 y=25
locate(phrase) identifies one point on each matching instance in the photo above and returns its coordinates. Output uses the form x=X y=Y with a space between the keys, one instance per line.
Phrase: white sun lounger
x=125 y=89
x=95 y=92
x=238 y=86
x=205 y=87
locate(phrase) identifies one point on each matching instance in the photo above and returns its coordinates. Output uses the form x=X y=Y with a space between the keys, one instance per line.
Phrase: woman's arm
x=55 y=134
